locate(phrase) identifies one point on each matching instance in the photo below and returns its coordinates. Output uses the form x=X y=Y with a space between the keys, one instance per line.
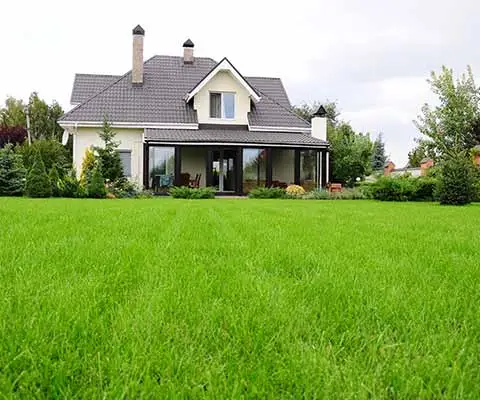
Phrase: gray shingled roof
x=161 y=97
x=222 y=135
x=87 y=85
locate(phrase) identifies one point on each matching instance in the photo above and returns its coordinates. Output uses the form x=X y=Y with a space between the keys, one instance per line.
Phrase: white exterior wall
x=130 y=139
x=222 y=82
x=283 y=165
x=194 y=162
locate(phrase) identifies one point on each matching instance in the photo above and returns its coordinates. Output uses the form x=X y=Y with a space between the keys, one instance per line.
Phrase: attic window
x=222 y=105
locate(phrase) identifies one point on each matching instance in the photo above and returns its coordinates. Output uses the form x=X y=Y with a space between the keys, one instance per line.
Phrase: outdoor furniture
x=195 y=183
x=335 y=187
x=184 y=179
x=162 y=182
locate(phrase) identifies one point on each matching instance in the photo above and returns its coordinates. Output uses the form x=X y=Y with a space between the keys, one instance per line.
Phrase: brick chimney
x=188 y=52
x=137 y=59
x=389 y=167
x=425 y=164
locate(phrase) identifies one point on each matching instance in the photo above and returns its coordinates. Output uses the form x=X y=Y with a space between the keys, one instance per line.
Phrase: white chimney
x=188 y=52
x=137 y=60
x=319 y=124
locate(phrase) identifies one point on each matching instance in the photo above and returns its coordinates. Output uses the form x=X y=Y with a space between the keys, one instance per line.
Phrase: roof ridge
x=100 y=92
x=86 y=74
x=263 y=77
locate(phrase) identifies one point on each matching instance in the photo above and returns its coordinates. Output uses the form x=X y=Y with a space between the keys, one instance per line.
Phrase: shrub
x=38 y=184
x=345 y=194
x=123 y=188
x=12 y=173
x=295 y=190
x=456 y=182
x=70 y=186
x=51 y=151
x=88 y=164
x=425 y=189
x=267 y=193
x=393 y=189
x=96 y=186
x=12 y=134
x=55 y=181
x=184 y=192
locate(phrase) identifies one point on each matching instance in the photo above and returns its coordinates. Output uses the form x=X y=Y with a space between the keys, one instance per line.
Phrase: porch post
x=269 y=166
x=178 y=166
x=320 y=169
x=208 y=167
x=146 y=161
x=327 y=168
x=296 y=171
x=239 y=171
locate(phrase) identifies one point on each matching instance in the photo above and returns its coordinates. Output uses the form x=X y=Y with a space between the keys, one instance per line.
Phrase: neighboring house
x=425 y=164
x=186 y=119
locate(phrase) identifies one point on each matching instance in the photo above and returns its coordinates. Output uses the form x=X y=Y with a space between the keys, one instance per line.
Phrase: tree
x=306 y=110
x=451 y=130
x=88 y=164
x=96 y=185
x=12 y=134
x=351 y=154
x=108 y=155
x=12 y=173
x=450 y=127
x=38 y=184
x=43 y=117
x=379 y=157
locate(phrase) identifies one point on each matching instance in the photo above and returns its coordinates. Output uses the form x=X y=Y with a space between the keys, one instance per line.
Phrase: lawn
x=238 y=298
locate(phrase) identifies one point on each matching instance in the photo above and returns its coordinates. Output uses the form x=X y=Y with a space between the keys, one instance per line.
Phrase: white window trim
x=222 y=108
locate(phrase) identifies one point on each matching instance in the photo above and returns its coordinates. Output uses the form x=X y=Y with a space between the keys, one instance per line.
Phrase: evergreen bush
x=456 y=182
x=96 y=185
x=38 y=184
x=12 y=172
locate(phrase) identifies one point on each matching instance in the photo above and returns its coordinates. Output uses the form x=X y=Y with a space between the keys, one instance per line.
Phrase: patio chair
x=195 y=183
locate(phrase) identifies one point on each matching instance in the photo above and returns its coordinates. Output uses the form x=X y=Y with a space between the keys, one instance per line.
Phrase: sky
x=372 y=57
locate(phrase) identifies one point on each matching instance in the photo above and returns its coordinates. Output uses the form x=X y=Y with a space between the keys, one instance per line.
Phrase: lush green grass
x=232 y=298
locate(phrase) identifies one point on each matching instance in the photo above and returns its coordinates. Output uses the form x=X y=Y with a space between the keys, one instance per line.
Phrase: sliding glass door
x=223 y=170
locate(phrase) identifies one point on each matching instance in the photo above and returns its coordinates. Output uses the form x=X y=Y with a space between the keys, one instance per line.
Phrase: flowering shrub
x=295 y=190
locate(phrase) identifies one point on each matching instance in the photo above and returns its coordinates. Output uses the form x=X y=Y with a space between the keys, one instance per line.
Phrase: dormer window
x=222 y=105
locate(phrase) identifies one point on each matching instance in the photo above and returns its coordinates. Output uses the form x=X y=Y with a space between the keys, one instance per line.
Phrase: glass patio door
x=223 y=170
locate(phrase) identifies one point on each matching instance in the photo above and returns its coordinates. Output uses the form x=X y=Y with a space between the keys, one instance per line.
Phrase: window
x=308 y=169
x=161 y=168
x=222 y=105
x=254 y=169
x=126 y=159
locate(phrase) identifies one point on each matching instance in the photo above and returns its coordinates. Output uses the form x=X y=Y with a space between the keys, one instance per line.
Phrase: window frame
x=129 y=152
x=222 y=105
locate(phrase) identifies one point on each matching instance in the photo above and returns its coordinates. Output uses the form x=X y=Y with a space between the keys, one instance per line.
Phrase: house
x=186 y=119
x=391 y=170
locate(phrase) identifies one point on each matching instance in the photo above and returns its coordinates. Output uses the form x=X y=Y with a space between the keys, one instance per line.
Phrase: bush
x=123 y=188
x=70 y=186
x=38 y=184
x=96 y=186
x=12 y=134
x=393 y=189
x=88 y=164
x=456 y=182
x=425 y=189
x=12 y=173
x=51 y=151
x=345 y=194
x=267 y=193
x=295 y=190
x=184 y=192
x=55 y=181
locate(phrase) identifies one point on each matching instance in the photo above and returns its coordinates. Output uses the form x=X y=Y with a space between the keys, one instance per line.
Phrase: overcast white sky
x=372 y=56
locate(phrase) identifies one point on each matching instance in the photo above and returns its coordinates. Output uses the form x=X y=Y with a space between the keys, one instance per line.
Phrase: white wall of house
x=194 y=162
x=222 y=82
x=130 y=139
x=283 y=165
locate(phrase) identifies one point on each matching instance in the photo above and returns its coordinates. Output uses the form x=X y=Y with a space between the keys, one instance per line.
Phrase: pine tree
x=12 y=172
x=112 y=168
x=96 y=185
x=38 y=184
x=55 y=181
x=88 y=164
x=378 y=157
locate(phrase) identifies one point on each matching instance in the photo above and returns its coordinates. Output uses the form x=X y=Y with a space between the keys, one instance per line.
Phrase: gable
x=222 y=82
